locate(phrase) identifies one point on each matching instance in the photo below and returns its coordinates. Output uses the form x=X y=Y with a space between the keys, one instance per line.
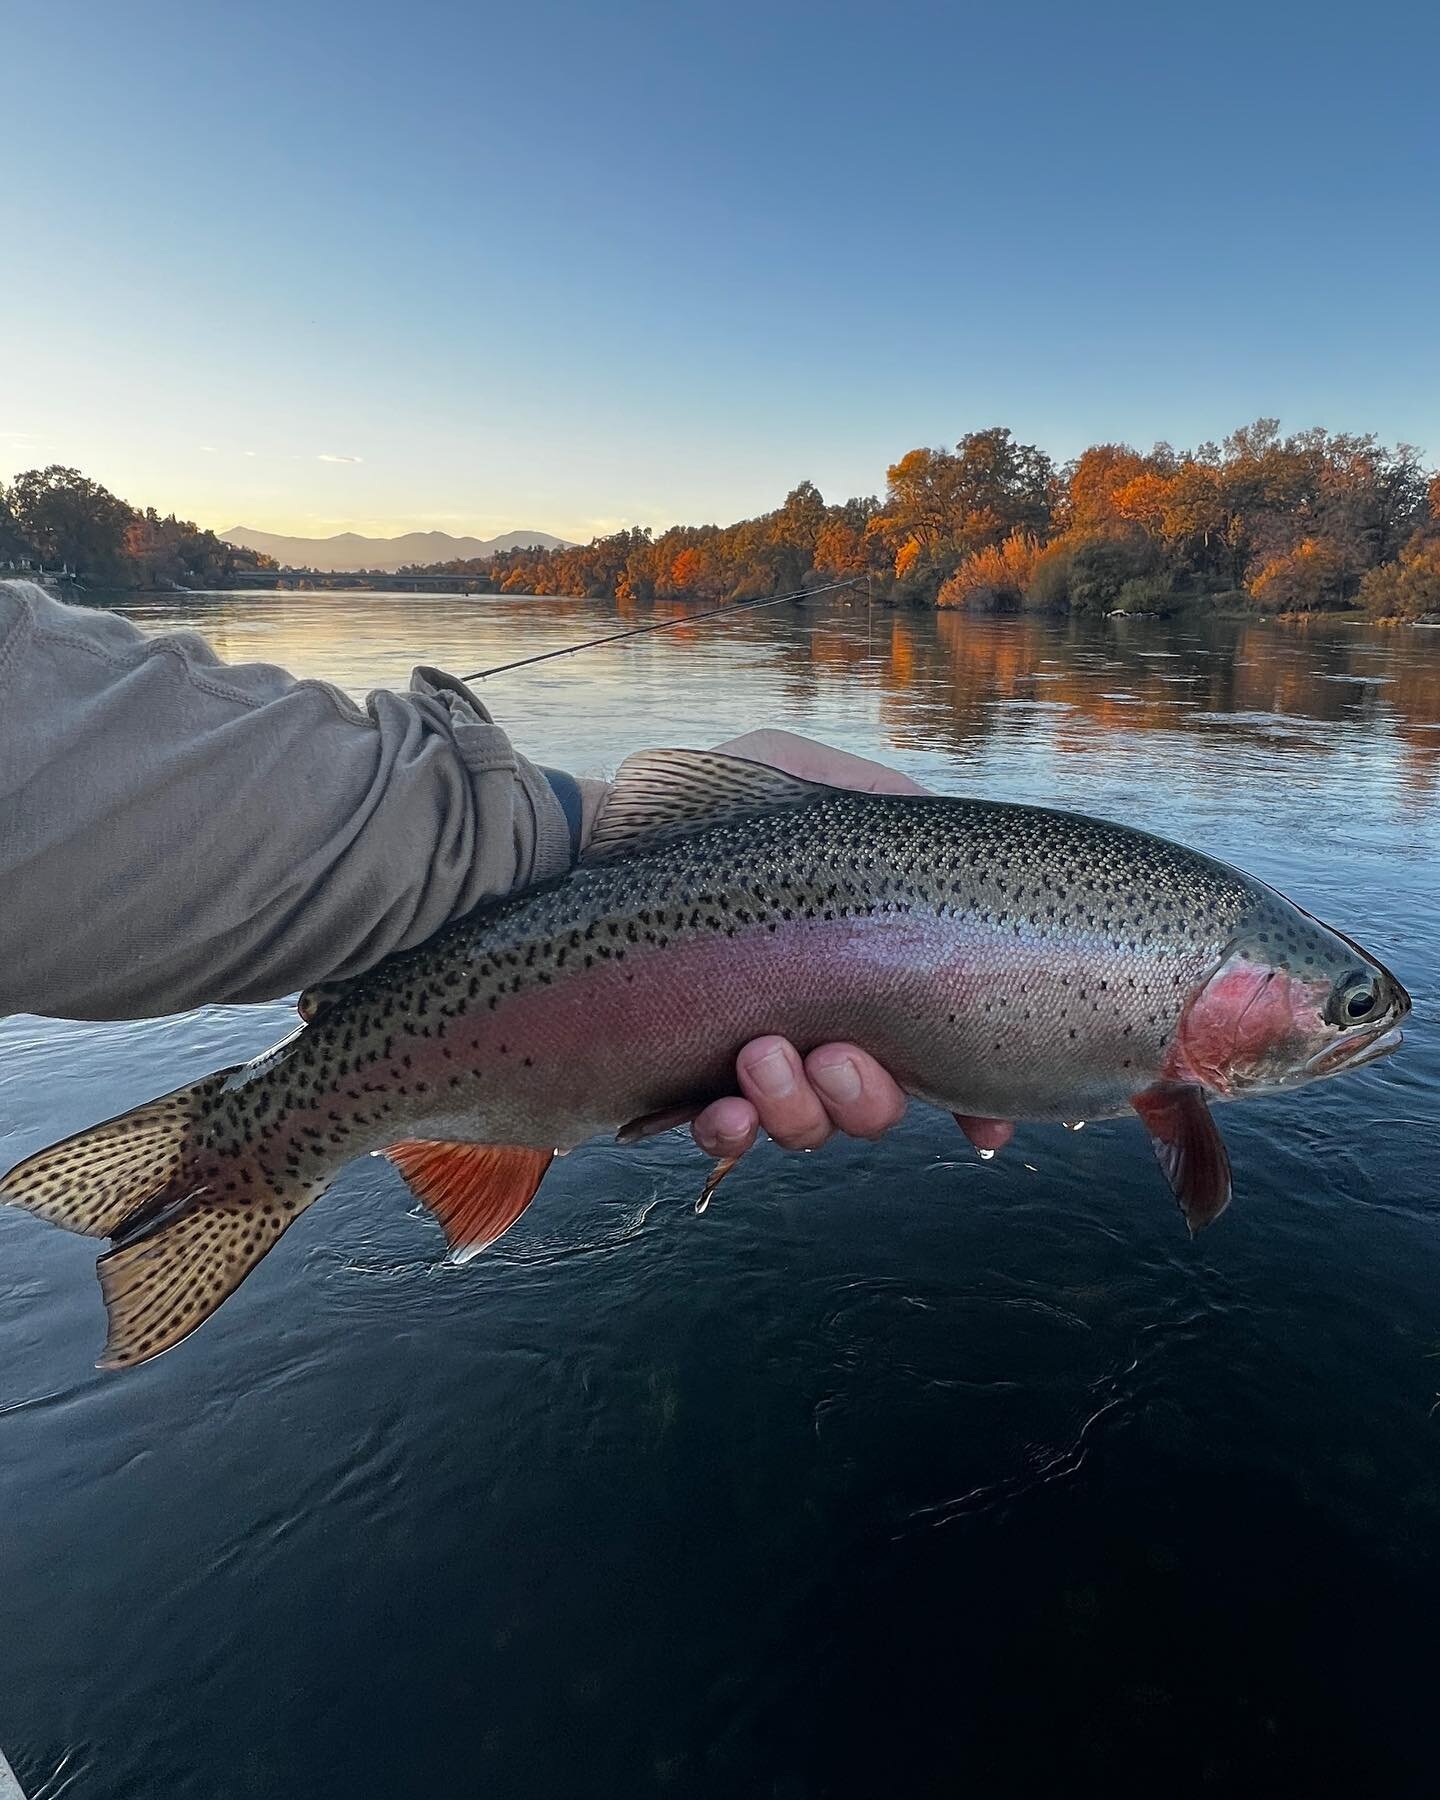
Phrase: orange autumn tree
x=1261 y=518
x=1308 y=578
x=941 y=506
x=995 y=577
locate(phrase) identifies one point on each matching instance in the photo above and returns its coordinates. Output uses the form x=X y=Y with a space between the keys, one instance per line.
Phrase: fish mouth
x=1355 y=1051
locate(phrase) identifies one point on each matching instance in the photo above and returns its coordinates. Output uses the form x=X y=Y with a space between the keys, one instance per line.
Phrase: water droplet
x=985 y=1155
x=1079 y=1125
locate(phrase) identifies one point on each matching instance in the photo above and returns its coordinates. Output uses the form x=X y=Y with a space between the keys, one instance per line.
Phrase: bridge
x=320 y=580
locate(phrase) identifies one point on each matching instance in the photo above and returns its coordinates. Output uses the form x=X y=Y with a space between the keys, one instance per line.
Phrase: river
x=898 y=1472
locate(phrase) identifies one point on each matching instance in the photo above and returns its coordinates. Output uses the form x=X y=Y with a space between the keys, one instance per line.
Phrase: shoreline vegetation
x=1313 y=522
x=57 y=519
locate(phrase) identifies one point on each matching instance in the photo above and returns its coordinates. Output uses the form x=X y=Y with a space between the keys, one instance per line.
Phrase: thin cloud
x=325 y=456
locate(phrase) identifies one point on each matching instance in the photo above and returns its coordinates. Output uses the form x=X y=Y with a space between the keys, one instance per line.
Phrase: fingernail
x=838 y=1081
x=773 y=1075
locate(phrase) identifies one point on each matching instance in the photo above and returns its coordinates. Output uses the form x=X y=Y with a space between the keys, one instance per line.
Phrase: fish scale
x=1004 y=962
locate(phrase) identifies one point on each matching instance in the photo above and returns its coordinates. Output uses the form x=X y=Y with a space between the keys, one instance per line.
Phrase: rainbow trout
x=1005 y=962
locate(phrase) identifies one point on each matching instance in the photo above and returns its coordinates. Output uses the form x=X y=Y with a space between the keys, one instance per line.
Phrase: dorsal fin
x=664 y=794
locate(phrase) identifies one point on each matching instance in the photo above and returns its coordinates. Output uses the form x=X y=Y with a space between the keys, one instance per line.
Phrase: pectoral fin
x=716 y=1176
x=1189 y=1148
x=476 y=1191
x=652 y=1124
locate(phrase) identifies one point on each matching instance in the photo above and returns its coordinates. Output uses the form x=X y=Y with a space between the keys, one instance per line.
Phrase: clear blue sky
x=569 y=266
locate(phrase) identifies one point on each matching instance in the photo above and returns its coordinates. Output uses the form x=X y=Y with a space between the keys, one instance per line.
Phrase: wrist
x=580 y=800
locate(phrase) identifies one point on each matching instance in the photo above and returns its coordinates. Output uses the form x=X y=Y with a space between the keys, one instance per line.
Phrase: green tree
x=171 y=552
x=793 y=534
x=13 y=544
x=1369 y=497
x=70 y=519
x=1002 y=486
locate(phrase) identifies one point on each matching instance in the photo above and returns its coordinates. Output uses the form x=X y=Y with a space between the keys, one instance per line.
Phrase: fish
x=1005 y=963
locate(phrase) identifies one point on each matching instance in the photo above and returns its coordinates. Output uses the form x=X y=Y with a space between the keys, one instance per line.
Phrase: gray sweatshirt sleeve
x=176 y=831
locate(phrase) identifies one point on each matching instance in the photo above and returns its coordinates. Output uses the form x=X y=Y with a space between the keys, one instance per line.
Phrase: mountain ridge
x=349 y=551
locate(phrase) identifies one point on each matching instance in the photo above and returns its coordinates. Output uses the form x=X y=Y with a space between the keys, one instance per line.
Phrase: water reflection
x=1068 y=712
x=935 y=671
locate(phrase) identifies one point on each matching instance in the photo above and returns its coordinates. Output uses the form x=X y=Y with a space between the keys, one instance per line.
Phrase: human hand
x=837 y=1087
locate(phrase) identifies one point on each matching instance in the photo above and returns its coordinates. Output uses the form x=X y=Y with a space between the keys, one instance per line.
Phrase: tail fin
x=159 y=1287
x=184 y=1247
x=103 y=1182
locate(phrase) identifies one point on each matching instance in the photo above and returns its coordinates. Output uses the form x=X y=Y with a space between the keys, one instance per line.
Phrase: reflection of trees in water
x=941 y=675
x=936 y=677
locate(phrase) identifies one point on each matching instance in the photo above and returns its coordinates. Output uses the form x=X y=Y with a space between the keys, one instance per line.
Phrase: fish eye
x=1357 y=999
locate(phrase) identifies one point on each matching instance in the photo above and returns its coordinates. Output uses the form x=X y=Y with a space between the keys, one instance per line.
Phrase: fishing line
x=708 y=612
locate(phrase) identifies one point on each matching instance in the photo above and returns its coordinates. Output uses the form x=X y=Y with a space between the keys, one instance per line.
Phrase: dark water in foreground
x=898 y=1473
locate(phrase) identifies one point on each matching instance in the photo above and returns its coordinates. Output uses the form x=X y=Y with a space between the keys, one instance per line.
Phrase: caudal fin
x=188 y=1225
x=183 y=1244
x=102 y=1181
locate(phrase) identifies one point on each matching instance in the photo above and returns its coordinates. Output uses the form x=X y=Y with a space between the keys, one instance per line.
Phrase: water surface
x=897 y=1472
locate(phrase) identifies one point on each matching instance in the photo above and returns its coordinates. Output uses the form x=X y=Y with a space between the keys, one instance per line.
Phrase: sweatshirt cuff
x=543 y=803
x=566 y=790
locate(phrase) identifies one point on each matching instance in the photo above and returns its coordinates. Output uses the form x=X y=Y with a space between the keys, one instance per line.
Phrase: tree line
x=57 y=518
x=1309 y=522
x=1313 y=521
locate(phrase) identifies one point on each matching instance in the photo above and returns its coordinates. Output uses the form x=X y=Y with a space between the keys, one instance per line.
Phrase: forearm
x=174 y=831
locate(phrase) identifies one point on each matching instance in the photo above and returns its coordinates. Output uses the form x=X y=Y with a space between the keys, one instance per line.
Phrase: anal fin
x=476 y=1191
x=1189 y=1148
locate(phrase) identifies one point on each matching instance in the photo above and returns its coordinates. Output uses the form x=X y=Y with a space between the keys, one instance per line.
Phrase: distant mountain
x=351 y=551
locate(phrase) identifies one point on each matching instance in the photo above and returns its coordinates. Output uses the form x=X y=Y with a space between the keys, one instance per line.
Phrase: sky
x=331 y=265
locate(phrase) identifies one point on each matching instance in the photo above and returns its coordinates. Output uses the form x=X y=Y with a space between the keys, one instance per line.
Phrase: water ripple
x=1047 y=1465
